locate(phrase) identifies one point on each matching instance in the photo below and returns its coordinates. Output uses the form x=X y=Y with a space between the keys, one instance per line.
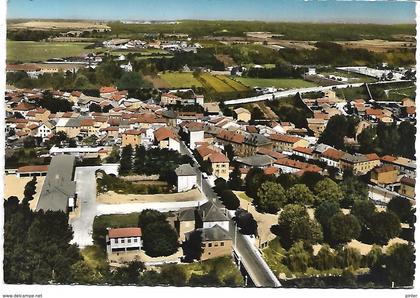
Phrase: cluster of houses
x=209 y=220
x=167 y=45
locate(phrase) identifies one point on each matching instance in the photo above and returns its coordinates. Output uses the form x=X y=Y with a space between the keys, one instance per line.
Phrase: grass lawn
x=223 y=267
x=95 y=257
x=30 y=51
x=244 y=196
x=102 y=222
x=180 y=79
x=278 y=83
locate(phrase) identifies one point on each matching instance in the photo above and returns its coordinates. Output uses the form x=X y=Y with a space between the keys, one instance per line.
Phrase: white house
x=123 y=239
x=44 y=130
x=187 y=177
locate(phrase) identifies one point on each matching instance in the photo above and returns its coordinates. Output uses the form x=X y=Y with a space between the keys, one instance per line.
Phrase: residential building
x=131 y=137
x=186 y=177
x=215 y=242
x=220 y=165
x=286 y=142
x=408 y=187
x=123 y=239
x=242 y=114
x=166 y=138
x=384 y=175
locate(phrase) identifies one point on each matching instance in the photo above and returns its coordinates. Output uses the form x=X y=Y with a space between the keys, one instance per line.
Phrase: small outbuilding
x=186 y=177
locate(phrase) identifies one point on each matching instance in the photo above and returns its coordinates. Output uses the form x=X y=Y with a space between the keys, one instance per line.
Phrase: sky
x=382 y=12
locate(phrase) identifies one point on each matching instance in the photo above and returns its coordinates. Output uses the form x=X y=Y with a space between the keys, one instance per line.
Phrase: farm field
x=221 y=83
x=278 y=83
x=29 y=51
x=180 y=79
x=48 y=25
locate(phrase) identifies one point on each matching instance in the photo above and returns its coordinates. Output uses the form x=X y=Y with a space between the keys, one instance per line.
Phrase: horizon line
x=215 y=20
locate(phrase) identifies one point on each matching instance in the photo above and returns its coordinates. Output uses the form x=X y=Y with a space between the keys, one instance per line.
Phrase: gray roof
x=185 y=170
x=256 y=160
x=58 y=185
x=74 y=122
x=187 y=214
x=210 y=212
x=354 y=158
x=256 y=139
x=215 y=233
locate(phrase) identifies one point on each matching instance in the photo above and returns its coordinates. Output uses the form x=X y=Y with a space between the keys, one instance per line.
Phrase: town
x=242 y=159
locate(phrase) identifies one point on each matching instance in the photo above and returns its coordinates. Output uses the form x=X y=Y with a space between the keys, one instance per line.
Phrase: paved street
x=255 y=265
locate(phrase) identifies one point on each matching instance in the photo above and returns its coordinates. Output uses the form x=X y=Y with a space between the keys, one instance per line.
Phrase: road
x=86 y=192
x=251 y=258
x=290 y=92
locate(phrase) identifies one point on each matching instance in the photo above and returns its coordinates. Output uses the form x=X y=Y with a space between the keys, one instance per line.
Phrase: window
x=135 y=239
x=210 y=245
x=222 y=243
x=116 y=240
x=128 y=240
x=122 y=240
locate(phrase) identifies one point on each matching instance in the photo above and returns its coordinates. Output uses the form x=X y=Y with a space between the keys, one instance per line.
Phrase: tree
x=159 y=239
x=353 y=190
x=343 y=228
x=368 y=140
x=114 y=156
x=401 y=207
x=287 y=180
x=298 y=258
x=407 y=132
x=325 y=258
x=128 y=274
x=291 y=216
x=363 y=210
x=149 y=216
x=325 y=211
x=229 y=152
x=373 y=257
x=400 y=264
x=173 y=275
x=335 y=132
x=30 y=189
x=235 y=181
x=310 y=179
x=220 y=185
x=384 y=226
x=306 y=230
x=126 y=161
x=132 y=80
x=246 y=222
x=139 y=159
x=349 y=257
x=229 y=199
x=299 y=194
x=254 y=178
x=192 y=246
x=327 y=190
x=270 y=197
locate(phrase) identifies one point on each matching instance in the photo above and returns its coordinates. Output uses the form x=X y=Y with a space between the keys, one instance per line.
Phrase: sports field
x=278 y=83
x=31 y=51
x=180 y=79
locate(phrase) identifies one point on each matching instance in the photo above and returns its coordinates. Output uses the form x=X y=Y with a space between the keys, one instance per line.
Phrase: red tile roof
x=107 y=90
x=284 y=138
x=408 y=181
x=133 y=132
x=87 y=122
x=204 y=151
x=24 y=106
x=304 y=150
x=372 y=156
x=230 y=136
x=333 y=154
x=273 y=154
x=388 y=158
x=218 y=157
x=29 y=169
x=271 y=170
x=298 y=165
x=124 y=232
x=164 y=133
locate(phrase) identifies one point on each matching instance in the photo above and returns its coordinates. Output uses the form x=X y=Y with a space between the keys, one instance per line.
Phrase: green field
x=30 y=51
x=278 y=83
x=180 y=79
